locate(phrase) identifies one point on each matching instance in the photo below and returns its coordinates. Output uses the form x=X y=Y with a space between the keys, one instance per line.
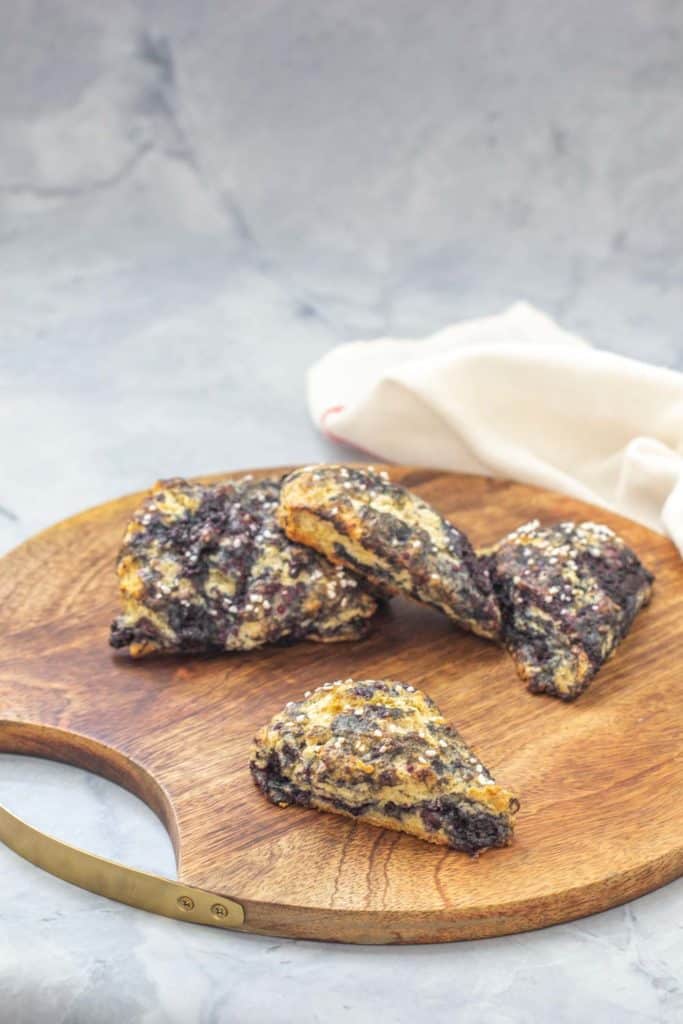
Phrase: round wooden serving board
x=600 y=781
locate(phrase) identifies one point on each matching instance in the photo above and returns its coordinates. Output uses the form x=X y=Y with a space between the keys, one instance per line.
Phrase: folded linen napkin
x=515 y=396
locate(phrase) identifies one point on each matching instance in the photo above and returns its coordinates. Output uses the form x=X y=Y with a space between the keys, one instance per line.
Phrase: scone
x=207 y=568
x=569 y=594
x=381 y=751
x=392 y=538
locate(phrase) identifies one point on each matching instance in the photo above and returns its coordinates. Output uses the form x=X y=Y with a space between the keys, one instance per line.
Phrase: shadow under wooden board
x=600 y=781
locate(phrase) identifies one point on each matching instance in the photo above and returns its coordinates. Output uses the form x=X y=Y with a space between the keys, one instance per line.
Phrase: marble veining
x=196 y=201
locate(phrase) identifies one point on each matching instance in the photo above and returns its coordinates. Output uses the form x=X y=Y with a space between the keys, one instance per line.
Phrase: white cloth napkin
x=515 y=396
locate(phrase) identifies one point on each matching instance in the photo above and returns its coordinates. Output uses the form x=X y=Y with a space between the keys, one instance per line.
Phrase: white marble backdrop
x=196 y=200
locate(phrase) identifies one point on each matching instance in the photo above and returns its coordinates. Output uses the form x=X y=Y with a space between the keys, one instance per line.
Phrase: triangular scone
x=381 y=751
x=205 y=567
x=392 y=538
x=569 y=594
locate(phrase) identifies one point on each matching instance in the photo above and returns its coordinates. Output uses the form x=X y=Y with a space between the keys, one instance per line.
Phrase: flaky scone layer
x=206 y=567
x=569 y=594
x=392 y=538
x=381 y=751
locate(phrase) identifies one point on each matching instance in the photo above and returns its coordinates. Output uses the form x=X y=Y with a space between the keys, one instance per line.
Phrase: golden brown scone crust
x=569 y=594
x=205 y=567
x=381 y=751
x=392 y=538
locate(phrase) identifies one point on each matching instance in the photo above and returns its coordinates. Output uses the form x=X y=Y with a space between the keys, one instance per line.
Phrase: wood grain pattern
x=601 y=781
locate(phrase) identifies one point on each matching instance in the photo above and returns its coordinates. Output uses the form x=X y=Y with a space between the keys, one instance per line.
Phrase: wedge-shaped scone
x=206 y=568
x=392 y=538
x=381 y=751
x=569 y=594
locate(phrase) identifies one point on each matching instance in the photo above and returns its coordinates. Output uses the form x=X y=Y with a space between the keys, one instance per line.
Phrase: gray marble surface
x=197 y=200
